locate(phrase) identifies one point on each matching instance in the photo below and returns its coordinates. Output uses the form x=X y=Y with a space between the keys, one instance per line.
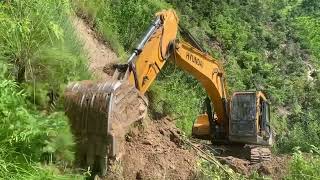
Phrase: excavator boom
x=160 y=45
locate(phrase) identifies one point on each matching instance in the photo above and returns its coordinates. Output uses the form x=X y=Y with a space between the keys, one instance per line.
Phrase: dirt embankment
x=154 y=150
x=98 y=52
x=236 y=157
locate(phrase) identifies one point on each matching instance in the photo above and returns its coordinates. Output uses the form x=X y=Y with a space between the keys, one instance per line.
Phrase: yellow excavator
x=101 y=112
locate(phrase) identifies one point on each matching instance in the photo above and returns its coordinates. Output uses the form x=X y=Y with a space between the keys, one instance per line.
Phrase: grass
x=304 y=166
x=40 y=45
x=121 y=23
x=39 y=52
x=180 y=99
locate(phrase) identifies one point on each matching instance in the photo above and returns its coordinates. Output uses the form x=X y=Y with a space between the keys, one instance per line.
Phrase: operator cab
x=249 y=121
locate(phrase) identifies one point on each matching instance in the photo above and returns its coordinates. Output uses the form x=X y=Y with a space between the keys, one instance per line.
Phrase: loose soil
x=277 y=168
x=236 y=157
x=154 y=150
x=98 y=52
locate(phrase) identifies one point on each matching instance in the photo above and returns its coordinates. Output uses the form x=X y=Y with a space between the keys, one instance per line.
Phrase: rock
x=128 y=138
x=174 y=137
x=139 y=175
x=161 y=131
x=266 y=170
x=171 y=166
x=146 y=142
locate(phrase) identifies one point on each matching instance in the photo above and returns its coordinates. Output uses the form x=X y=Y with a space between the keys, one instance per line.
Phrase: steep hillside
x=265 y=45
x=156 y=149
x=99 y=55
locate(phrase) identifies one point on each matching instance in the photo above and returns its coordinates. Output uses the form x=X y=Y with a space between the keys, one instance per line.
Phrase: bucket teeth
x=99 y=115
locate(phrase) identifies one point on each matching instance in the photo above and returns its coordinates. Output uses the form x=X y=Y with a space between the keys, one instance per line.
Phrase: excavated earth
x=235 y=156
x=276 y=168
x=98 y=51
x=153 y=149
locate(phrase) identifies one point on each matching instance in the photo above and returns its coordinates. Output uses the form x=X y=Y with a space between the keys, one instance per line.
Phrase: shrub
x=37 y=40
x=177 y=94
x=39 y=51
x=26 y=136
x=121 y=23
x=304 y=166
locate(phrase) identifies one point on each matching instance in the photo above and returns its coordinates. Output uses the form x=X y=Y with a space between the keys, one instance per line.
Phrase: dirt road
x=98 y=52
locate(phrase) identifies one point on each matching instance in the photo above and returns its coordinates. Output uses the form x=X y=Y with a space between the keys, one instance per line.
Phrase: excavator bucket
x=100 y=114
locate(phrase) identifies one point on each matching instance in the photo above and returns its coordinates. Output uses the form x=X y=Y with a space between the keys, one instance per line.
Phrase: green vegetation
x=38 y=45
x=27 y=137
x=120 y=22
x=208 y=171
x=266 y=45
x=39 y=52
x=177 y=94
x=305 y=166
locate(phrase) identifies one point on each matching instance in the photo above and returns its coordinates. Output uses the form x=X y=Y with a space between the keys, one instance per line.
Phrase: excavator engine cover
x=100 y=114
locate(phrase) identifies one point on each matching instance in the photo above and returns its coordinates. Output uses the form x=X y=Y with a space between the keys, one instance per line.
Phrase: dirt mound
x=154 y=150
x=276 y=168
x=237 y=158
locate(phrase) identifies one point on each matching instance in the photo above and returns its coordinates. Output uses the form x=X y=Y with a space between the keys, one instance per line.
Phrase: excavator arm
x=151 y=54
x=159 y=45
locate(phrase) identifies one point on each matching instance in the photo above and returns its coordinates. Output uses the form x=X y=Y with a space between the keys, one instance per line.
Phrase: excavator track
x=100 y=114
x=259 y=154
x=253 y=154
